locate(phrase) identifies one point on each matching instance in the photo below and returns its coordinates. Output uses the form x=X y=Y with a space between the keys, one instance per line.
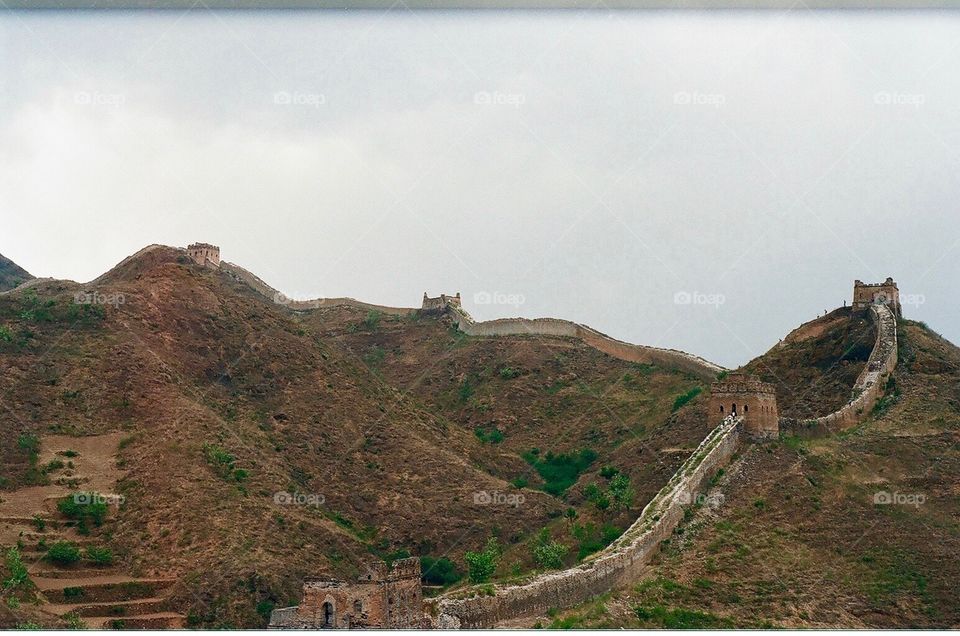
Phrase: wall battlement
x=440 y=303
x=885 y=293
x=204 y=254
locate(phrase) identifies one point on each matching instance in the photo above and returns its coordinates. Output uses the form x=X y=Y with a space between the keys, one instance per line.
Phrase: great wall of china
x=624 y=559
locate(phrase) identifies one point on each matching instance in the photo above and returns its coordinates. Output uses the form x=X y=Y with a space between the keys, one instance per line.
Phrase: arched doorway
x=329 y=617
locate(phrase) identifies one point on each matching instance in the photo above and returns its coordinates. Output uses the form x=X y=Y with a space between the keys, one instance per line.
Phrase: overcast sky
x=702 y=181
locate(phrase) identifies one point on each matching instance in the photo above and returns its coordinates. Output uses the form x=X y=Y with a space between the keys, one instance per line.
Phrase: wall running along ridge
x=617 y=564
x=868 y=388
x=669 y=358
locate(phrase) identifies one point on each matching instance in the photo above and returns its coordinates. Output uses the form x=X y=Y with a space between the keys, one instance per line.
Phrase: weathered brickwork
x=381 y=597
x=204 y=254
x=440 y=303
x=885 y=293
x=741 y=395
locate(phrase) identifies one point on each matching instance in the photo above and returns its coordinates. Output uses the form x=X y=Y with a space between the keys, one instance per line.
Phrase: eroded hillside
x=11 y=274
x=225 y=399
x=855 y=530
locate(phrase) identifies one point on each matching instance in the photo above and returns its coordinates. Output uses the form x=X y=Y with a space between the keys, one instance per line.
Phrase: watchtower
x=745 y=396
x=885 y=293
x=204 y=253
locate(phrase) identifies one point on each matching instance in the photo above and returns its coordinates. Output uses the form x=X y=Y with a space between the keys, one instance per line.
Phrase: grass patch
x=684 y=398
x=561 y=471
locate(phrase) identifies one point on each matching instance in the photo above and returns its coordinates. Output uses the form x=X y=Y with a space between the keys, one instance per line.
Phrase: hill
x=854 y=530
x=213 y=402
x=11 y=274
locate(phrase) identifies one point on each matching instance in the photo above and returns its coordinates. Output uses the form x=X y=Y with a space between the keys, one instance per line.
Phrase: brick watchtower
x=886 y=293
x=747 y=397
x=204 y=253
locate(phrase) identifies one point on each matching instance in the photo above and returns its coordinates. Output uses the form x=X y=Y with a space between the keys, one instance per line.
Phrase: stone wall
x=669 y=358
x=868 y=388
x=619 y=563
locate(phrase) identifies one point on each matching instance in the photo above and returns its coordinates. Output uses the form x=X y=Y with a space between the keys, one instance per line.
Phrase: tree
x=482 y=565
x=620 y=492
x=548 y=553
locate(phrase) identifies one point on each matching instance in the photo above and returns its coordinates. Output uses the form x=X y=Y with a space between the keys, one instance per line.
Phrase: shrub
x=372 y=321
x=608 y=472
x=620 y=492
x=440 y=571
x=99 y=556
x=547 y=553
x=39 y=523
x=559 y=472
x=482 y=565
x=5 y=334
x=465 y=391
x=493 y=436
x=72 y=592
x=508 y=373
x=223 y=463
x=84 y=507
x=682 y=399
x=69 y=453
x=18 y=573
x=64 y=553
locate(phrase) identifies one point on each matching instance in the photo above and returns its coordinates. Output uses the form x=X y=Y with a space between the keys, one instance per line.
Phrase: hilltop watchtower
x=885 y=293
x=204 y=253
x=745 y=396
x=440 y=303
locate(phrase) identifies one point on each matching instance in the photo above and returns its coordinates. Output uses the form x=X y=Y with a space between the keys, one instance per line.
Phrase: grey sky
x=592 y=165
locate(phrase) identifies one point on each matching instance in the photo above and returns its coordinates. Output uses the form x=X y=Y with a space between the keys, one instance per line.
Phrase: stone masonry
x=204 y=253
x=741 y=395
x=381 y=597
x=885 y=293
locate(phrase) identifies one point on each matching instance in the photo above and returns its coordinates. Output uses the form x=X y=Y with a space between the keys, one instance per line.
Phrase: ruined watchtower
x=204 y=253
x=381 y=597
x=440 y=303
x=745 y=396
x=885 y=293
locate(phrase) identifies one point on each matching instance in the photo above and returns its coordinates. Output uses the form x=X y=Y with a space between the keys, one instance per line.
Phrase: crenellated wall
x=617 y=564
x=868 y=388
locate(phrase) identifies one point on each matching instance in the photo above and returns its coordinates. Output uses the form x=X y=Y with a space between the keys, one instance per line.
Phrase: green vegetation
x=508 y=373
x=5 y=334
x=72 y=592
x=620 y=492
x=224 y=463
x=492 y=436
x=679 y=618
x=591 y=539
x=439 y=571
x=39 y=523
x=548 y=553
x=64 y=553
x=84 y=507
x=465 y=391
x=372 y=321
x=18 y=574
x=559 y=472
x=682 y=399
x=608 y=472
x=99 y=556
x=482 y=565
